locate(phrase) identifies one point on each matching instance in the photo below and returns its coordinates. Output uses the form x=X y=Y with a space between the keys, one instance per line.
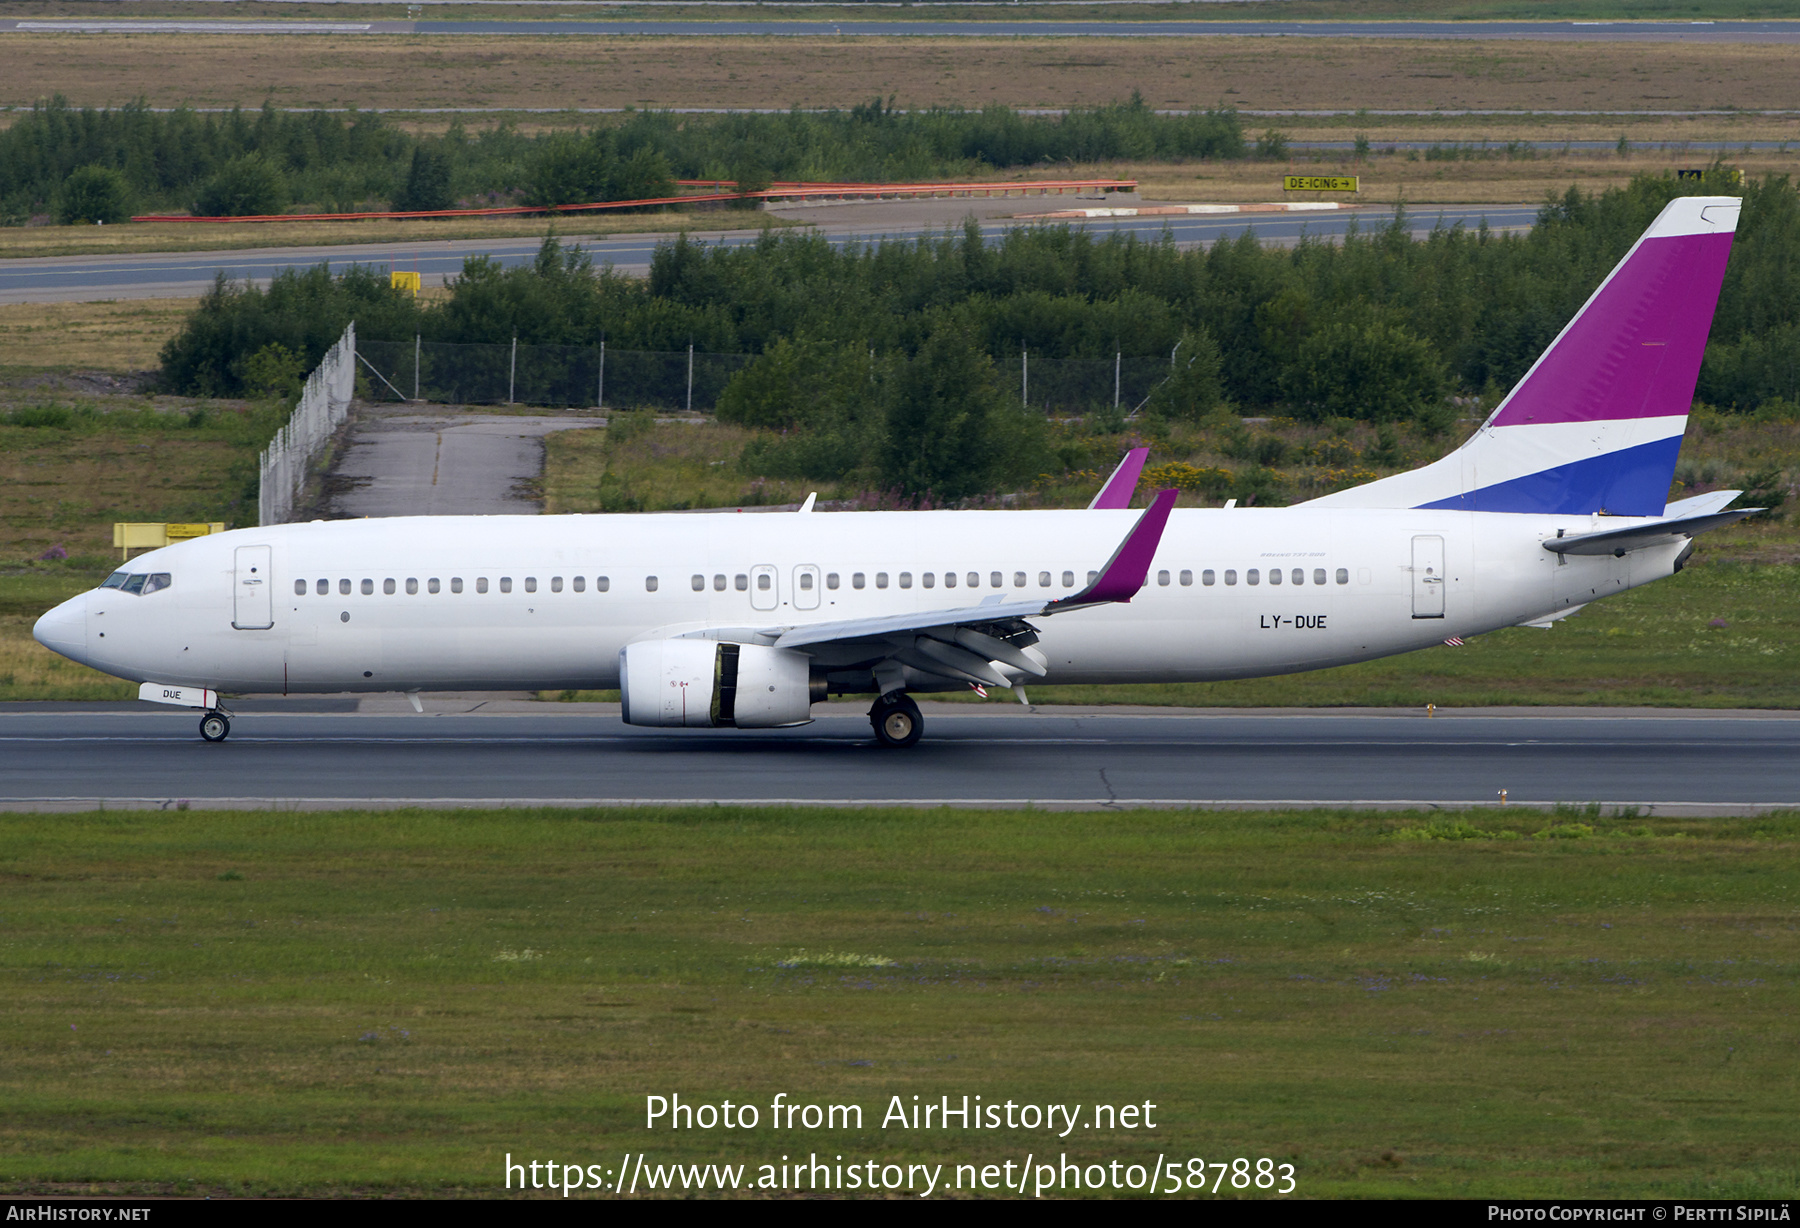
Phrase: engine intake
x=709 y=683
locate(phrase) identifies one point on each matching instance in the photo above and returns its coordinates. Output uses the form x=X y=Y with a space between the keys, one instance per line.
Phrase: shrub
x=96 y=194
x=250 y=186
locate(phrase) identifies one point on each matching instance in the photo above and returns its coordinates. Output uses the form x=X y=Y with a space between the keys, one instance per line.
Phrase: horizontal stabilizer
x=1642 y=536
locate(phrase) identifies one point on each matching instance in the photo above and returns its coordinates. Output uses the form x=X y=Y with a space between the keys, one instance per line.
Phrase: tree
x=951 y=431
x=94 y=194
x=1193 y=388
x=1374 y=371
x=569 y=170
x=249 y=186
x=427 y=182
x=645 y=175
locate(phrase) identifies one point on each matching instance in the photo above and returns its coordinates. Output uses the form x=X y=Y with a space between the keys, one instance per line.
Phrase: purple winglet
x=1117 y=491
x=1128 y=568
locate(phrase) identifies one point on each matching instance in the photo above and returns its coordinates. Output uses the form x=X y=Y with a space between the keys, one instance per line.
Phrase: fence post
x=512 y=371
x=690 y=396
x=1118 y=359
x=1025 y=377
x=600 y=392
x=416 y=349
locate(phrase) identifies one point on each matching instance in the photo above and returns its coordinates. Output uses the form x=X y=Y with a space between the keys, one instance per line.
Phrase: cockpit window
x=139 y=585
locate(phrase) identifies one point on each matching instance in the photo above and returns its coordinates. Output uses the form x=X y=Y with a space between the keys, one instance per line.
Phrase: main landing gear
x=215 y=726
x=896 y=720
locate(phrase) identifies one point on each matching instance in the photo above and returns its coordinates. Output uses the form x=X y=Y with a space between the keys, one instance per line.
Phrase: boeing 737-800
x=728 y=620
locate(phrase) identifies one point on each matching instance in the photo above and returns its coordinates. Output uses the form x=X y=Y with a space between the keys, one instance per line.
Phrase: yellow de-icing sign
x=140 y=536
x=404 y=281
x=1319 y=183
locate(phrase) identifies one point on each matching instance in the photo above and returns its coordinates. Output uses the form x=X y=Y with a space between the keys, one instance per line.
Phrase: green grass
x=1506 y=1004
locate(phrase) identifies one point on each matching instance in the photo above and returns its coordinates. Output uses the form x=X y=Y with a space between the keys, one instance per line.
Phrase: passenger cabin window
x=1252 y=576
x=506 y=584
x=856 y=579
x=906 y=579
x=928 y=579
x=1068 y=579
x=1298 y=575
x=579 y=583
x=387 y=586
x=602 y=584
x=1343 y=575
x=831 y=579
x=481 y=584
x=344 y=587
x=698 y=583
x=456 y=584
x=1018 y=579
x=1043 y=579
x=741 y=582
x=412 y=586
x=949 y=579
x=649 y=584
x=531 y=584
x=1206 y=577
x=322 y=588
x=432 y=585
x=556 y=584
x=299 y=588
x=1318 y=575
x=1162 y=579
x=881 y=579
x=719 y=583
x=763 y=581
x=806 y=581
x=996 y=580
x=368 y=588
x=1230 y=577
x=1187 y=579
x=1274 y=576
x=1093 y=576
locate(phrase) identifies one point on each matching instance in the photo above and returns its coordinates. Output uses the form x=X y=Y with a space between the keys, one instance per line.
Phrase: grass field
x=1507 y=1004
x=412 y=72
x=113 y=336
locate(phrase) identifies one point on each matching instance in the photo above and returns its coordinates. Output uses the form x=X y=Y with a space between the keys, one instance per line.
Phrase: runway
x=1555 y=31
x=303 y=755
x=188 y=274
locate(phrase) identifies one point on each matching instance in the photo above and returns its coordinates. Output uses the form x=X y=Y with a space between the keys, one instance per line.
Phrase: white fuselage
x=444 y=603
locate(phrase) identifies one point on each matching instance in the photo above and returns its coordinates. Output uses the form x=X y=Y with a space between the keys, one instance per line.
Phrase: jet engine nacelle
x=711 y=683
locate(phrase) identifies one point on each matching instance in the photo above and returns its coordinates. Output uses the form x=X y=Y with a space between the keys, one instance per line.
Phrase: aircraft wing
x=961 y=642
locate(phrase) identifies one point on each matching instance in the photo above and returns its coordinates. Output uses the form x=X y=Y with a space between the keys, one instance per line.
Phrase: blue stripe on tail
x=1630 y=482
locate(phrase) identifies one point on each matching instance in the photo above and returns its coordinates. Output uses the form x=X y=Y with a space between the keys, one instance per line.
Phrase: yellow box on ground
x=131 y=535
x=405 y=281
x=1319 y=183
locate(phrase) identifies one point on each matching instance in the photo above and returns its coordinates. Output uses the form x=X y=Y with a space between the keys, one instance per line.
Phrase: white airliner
x=746 y=621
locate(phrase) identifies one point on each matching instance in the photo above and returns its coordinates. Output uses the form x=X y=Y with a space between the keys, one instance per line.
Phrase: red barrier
x=782 y=191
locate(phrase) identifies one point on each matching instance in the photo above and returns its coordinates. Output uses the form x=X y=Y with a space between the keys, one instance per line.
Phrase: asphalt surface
x=512 y=753
x=189 y=274
x=441 y=463
x=1558 y=31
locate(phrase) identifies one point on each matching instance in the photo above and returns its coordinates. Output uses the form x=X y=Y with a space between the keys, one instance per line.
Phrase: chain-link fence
x=554 y=375
x=324 y=404
x=1065 y=386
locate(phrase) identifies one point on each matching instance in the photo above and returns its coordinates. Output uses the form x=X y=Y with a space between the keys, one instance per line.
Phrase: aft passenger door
x=253 y=596
x=1428 y=577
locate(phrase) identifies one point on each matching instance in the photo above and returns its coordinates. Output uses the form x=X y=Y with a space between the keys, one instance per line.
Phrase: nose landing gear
x=215 y=727
x=896 y=720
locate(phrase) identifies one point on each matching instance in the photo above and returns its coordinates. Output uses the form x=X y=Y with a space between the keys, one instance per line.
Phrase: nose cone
x=64 y=629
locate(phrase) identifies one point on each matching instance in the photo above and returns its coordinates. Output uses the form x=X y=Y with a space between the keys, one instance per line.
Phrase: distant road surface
x=188 y=274
x=1560 y=31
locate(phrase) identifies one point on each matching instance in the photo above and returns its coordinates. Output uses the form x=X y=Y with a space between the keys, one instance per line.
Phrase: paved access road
x=187 y=274
x=513 y=753
x=1562 y=31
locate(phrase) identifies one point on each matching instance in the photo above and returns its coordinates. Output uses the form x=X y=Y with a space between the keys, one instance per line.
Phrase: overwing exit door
x=253 y=597
x=1428 y=577
x=765 y=587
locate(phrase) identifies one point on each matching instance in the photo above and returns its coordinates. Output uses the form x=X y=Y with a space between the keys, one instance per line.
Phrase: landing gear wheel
x=214 y=727
x=896 y=720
